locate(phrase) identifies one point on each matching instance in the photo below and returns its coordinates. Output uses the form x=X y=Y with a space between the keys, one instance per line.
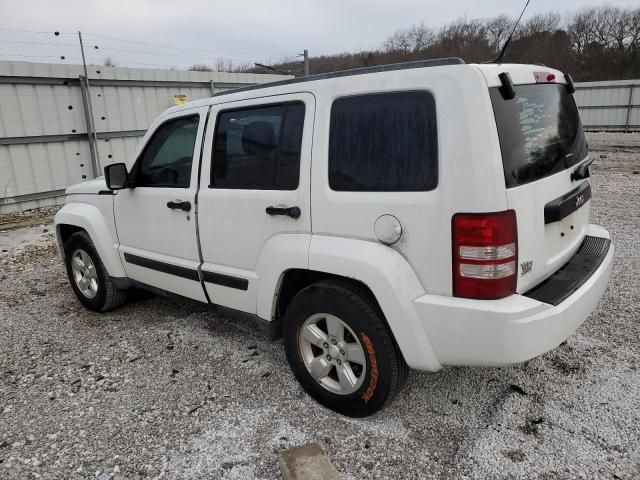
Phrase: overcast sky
x=243 y=30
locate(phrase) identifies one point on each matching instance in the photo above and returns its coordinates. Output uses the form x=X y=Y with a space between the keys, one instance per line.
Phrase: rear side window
x=540 y=132
x=258 y=148
x=384 y=142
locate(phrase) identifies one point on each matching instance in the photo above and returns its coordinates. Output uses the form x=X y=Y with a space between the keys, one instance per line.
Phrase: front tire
x=340 y=349
x=88 y=277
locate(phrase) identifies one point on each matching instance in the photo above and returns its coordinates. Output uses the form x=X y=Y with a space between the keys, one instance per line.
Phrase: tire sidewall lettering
x=373 y=367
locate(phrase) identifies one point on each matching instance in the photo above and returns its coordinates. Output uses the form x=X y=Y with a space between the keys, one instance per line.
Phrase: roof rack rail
x=438 y=62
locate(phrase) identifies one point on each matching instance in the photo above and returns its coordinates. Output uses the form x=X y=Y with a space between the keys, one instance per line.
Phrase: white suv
x=407 y=216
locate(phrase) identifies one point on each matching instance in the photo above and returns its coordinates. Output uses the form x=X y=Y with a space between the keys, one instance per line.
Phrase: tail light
x=544 y=77
x=485 y=254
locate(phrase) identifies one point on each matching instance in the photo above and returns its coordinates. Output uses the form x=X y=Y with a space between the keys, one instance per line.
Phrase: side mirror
x=116 y=176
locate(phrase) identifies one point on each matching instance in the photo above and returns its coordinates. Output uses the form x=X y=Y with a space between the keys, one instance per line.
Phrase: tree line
x=601 y=43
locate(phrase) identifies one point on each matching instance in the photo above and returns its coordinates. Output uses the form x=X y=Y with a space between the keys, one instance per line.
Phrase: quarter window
x=258 y=148
x=383 y=143
x=166 y=160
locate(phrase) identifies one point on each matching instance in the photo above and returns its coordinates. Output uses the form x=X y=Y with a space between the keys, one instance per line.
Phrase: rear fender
x=392 y=281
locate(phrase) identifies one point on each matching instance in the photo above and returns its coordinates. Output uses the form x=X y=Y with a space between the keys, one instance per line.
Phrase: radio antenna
x=499 y=58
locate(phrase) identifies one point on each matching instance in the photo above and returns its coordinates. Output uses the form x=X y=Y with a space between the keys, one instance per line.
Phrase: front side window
x=166 y=160
x=384 y=142
x=258 y=148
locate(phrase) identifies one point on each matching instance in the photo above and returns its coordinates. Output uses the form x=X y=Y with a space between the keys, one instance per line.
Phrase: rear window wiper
x=582 y=171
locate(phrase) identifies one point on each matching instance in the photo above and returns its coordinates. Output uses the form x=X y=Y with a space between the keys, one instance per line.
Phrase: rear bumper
x=510 y=330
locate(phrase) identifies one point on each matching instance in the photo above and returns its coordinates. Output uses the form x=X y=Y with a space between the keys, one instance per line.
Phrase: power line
x=133 y=42
x=116 y=62
x=172 y=47
x=40 y=43
x=32 y=31
x=138 y=52
x=239 y=59
x=37 y=56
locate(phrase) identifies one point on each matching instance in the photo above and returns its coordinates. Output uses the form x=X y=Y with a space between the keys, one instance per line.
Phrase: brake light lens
x=544 y=77
x=485 y=254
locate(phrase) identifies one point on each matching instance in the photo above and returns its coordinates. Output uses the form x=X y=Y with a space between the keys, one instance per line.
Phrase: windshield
x=540 y=132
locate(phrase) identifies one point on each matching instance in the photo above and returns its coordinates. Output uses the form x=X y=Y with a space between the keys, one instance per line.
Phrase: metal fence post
x=627 y=125
x=306 y=62
x=91 y=135
x=213 y=87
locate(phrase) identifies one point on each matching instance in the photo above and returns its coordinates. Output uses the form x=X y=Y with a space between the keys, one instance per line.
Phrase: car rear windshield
x=540 y=132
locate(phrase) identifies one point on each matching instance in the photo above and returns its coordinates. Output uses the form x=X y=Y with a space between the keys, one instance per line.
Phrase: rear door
x=542 y=144
x=254 y=187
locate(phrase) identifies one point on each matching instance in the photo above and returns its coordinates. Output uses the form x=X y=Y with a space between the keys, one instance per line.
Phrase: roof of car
x=438 y=62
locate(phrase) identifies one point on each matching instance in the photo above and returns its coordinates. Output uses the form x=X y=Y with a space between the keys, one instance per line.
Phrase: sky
x=180 y=33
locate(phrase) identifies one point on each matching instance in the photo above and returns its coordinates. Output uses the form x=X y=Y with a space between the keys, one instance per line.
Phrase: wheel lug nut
x=338 y=362
x=334 y=341
x=329 y=357
x=325 y=345
x=342 y=352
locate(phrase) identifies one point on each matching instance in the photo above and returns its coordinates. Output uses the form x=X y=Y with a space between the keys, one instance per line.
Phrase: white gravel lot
x=159 y=389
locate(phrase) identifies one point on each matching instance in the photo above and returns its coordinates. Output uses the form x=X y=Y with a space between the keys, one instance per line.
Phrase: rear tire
x=88 y=277
x=357 y=370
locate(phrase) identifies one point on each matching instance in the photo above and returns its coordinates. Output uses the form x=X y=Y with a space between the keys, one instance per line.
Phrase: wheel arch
x=378 y=271
x=76 y=217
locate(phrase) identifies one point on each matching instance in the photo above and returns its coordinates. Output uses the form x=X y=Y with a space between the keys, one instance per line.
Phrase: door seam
x=196 y=212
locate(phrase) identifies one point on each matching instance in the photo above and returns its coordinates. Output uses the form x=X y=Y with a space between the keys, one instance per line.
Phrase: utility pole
x=93 y=137
x=306 y=63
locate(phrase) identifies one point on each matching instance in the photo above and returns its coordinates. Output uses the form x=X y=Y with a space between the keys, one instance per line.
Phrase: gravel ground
x=159 y=389
x=31 y=216
x=625 y=142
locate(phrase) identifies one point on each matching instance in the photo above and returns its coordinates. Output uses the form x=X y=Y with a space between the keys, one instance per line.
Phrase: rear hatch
x=543 y=144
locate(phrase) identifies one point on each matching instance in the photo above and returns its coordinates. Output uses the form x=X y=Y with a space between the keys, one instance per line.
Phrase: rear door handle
x=293 y=212
x=179 y=205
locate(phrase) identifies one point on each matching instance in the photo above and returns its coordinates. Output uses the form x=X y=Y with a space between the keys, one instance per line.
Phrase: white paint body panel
x=510 y=330
x=148 y=228
x=94 y=214
x=411 y=280
x=392 y=281
x=234 y=226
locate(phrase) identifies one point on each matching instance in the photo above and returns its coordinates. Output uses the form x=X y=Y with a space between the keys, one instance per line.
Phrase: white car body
x=241 y=255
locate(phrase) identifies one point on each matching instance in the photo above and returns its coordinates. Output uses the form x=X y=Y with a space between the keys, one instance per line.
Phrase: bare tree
x=620 y=26
x=592 y=44
x=420 y=37
x=465 y=38
x=200 y=67
x=223 y=65
x=400 y=41
x=109 y=62
x=541 y=23
x=580 y=28
x=497 y=30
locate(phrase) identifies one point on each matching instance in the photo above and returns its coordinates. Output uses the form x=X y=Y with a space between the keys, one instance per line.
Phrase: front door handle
x=179 y=205
x=293 y=212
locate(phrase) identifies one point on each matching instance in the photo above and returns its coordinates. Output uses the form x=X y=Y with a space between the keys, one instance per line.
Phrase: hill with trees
x=592 y=44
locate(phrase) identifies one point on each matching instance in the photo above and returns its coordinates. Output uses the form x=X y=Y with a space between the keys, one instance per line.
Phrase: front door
x=155 y=219
x=254 y=190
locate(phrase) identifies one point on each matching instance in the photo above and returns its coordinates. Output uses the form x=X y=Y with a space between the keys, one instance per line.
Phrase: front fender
x=393 y=282
x=90 y=218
